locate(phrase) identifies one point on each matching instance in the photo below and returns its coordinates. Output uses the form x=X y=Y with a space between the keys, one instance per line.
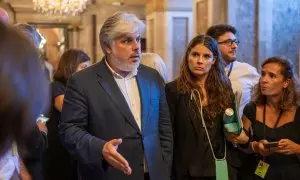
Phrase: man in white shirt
x=115 y=118
x=242 y=75
x=243 y=78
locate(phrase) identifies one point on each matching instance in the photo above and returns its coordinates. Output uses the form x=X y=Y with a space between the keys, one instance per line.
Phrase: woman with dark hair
x=59 y=165
x=274 y=119
x=197 y=100
x=23 y=96
x=71 y=61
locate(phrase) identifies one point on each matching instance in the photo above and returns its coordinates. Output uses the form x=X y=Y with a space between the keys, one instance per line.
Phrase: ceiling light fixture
x=61 y=7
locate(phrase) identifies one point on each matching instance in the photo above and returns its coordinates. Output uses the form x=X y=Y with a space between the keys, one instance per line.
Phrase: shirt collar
x=228 y=65
x=117 y=75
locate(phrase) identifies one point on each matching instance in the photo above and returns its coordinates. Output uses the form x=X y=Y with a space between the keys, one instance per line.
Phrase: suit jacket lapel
x=145 y=93
x=194 y=119
x=110 y=86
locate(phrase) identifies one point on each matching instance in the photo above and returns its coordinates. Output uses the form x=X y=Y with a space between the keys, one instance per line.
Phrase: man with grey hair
x=115 y=119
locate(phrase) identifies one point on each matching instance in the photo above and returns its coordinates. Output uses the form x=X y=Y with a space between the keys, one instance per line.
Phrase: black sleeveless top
x=282 y=167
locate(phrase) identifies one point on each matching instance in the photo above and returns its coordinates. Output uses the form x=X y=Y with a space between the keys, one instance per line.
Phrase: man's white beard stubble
x=125 y=65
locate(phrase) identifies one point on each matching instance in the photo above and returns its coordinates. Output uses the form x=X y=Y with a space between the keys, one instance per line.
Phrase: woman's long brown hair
x=218 y=87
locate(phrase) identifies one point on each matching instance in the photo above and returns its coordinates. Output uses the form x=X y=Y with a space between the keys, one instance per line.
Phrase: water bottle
x=231 y=121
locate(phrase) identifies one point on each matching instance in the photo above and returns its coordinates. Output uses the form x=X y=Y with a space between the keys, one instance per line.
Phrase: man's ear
x=107 y=48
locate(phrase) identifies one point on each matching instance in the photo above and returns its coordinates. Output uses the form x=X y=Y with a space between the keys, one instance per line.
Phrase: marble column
x=169 y=29
x=207 y=13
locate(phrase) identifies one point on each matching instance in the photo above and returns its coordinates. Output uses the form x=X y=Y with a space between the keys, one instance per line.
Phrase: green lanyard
x=221 y=164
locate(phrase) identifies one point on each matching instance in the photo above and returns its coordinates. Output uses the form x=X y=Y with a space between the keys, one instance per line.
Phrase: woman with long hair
x=197 y=100
x=272 y=122
x=58 y=163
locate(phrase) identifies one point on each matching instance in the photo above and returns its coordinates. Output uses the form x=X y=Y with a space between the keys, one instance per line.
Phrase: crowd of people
x=121 y=118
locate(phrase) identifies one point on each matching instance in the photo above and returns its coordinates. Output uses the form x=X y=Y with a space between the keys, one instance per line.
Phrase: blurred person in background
x=38 y=40
x=59 y=165
x=48 y=67
x=154 y=61
x=23 y=96
x=37 y=142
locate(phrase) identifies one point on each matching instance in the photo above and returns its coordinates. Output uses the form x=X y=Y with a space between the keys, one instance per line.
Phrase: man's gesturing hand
x=115 y=159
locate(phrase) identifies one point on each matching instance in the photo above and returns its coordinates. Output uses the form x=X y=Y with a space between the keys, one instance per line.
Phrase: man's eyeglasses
x=229 y=42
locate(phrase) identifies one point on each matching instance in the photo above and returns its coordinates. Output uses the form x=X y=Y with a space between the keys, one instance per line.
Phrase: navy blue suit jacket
x=95 y=111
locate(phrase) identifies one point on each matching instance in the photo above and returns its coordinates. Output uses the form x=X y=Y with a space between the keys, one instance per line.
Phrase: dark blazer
x=95 y=111
x=192 y=154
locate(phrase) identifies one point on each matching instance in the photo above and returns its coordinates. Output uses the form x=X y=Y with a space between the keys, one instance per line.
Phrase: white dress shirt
x=243 y=78
x=130 y=91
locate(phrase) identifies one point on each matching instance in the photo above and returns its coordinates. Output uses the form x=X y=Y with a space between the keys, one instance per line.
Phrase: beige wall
x=169 y=29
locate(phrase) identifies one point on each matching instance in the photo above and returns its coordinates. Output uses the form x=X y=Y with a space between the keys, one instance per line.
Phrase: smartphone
x=271 y=144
